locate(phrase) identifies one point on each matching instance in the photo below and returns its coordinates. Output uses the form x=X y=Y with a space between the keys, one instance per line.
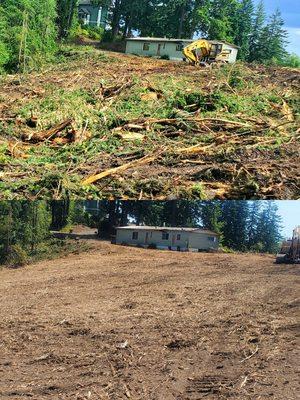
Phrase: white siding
x=233 y=53
x=192 y=241
x=203 y=241
x=156 y=49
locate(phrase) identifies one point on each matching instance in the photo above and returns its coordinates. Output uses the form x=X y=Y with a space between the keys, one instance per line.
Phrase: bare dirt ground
x=127 y=323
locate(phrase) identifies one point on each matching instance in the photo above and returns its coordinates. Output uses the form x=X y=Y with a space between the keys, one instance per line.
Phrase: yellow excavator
x=290 y=249
x=203 y=52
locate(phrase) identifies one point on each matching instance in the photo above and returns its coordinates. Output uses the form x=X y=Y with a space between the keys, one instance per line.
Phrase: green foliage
x=268 y=41
x=291 y=60
x=16 y=257
x=29 y=34
x=90 y=32
x=66 y=17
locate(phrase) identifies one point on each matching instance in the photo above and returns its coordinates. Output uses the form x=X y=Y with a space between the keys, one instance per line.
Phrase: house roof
x=84 y=10
x=224 y=42
x=84 y=2
x=151 y=39
x=167 y=228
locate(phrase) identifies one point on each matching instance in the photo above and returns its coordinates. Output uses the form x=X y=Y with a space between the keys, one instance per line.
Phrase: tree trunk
x=181 y=21
x=115 y=25
x=60 y=213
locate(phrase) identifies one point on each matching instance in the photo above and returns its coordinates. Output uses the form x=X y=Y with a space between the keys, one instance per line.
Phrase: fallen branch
x=251 y=355
x=112 y=91
x=41 y=136
x=117 y=170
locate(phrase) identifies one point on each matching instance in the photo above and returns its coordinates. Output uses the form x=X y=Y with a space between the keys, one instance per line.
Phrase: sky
x=290 y=10
x=289 y=210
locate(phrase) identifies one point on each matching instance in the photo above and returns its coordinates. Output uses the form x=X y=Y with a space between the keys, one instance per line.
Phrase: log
x=47 y=134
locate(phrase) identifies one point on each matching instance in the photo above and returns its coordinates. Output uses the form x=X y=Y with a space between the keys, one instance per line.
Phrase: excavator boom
x=197 y=51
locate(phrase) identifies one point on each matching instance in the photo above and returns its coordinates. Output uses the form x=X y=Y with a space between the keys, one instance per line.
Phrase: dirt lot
x=121 y=323
x=178 y=131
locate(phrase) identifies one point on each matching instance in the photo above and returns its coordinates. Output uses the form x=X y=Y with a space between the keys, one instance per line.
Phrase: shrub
x=227 y=250
x=27 y=33
x=90 y=32
x=16 y=257
x=292 y=60
x=152 y=246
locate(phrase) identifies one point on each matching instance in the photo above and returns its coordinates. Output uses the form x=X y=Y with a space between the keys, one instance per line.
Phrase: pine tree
x=269 y=226
x=244 y=27
x=253 y=225
x=222 y=25
x=255 y=41
x=211 y=214
x=234 y=218
x=274 y=38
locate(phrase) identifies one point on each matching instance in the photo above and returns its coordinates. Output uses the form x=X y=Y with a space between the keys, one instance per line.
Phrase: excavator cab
x=216 y=49
x=290 y=249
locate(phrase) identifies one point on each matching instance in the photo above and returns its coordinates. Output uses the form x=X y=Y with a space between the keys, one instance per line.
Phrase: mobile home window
x=179 y=47
x=135 y=235
x=178 y=237
x=211 y=239
x=146 y=47
x=165 y=236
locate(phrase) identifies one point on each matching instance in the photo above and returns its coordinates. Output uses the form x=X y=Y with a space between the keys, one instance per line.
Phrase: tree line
x=242 y=225
x=30 y=29
x=25 y=226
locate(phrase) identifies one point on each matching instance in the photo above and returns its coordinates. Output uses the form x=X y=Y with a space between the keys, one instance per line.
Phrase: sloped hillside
x=103 y=124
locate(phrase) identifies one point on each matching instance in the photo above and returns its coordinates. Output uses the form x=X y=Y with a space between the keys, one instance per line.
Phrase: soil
x=129 y=323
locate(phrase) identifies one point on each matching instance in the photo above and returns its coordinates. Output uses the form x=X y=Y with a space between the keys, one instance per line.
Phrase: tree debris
x=52 y=134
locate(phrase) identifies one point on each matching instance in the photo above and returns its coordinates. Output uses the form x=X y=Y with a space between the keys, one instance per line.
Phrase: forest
x=33 y=31
x=25 y=227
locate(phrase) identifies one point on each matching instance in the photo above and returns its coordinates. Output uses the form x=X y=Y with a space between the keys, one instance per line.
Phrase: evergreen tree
x=211 y=214
x=234 y=218
x=274 y=39
x=255 y=41
x=269 y=225
x=253 y=225
x=244 y=27
x=66 y=10
x=222 y=25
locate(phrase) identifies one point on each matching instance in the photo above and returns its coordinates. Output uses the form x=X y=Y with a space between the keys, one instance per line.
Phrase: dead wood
x=112 y=91
x=50 y=134
x=117 y=170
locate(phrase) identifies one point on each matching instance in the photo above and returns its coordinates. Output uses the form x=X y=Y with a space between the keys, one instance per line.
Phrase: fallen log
x=51 y=133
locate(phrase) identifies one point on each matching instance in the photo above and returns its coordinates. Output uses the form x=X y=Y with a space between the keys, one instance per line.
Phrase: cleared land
x=176 y=131
x=122 y=323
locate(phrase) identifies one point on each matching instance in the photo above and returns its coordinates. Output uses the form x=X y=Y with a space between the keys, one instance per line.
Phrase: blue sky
x=290 y=10
x=290 y=213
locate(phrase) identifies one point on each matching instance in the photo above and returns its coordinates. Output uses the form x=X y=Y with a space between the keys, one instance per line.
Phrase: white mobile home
x=172 y=238
x=157 y=47
x=172 y=48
